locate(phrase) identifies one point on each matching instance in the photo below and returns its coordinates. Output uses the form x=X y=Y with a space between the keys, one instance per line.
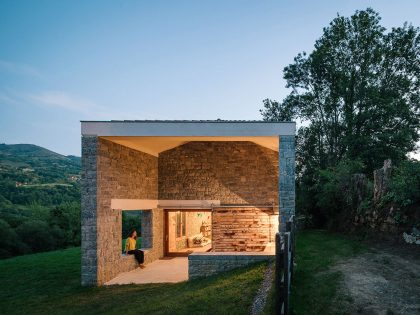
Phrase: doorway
x=187 y=231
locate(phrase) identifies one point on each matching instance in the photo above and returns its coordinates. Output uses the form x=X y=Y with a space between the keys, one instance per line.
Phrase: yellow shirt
x=130 y=244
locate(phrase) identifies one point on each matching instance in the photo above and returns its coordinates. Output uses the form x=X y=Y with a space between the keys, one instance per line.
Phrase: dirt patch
x=385 y=280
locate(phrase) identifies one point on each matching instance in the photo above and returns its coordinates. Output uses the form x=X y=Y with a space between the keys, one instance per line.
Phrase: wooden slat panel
x=241 y=229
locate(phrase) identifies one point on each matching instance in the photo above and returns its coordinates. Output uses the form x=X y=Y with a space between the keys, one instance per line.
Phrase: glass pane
x=184 y=223
x=188 y=232
x=178 y=224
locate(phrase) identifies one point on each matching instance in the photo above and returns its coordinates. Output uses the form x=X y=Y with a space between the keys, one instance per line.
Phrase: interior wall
x=122 y=173
x=172 y=244
x=232 y=172
x=194 y=221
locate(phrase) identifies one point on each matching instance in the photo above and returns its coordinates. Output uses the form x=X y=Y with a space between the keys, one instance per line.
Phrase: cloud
x=19 y=69
x=4 y=98
x=86 y=108
x=66 y=101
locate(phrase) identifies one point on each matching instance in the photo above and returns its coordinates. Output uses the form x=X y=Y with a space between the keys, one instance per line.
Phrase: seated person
x=130 y=248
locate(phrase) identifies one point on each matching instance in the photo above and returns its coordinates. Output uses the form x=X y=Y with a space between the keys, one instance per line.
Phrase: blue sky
x=66 y=61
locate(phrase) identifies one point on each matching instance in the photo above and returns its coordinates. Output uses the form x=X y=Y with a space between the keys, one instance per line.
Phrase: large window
x=187 y=231
x=180 y=223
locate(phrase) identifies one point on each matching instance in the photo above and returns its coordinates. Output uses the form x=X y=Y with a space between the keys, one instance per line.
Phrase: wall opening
x=187 y=231
x=131 y=220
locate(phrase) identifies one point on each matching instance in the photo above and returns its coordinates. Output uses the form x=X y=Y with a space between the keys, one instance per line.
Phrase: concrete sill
x=145 y=251
x=229 y=255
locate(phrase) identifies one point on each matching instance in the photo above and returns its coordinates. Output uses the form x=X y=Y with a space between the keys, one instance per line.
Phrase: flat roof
x=191 y=121
x=183 y=128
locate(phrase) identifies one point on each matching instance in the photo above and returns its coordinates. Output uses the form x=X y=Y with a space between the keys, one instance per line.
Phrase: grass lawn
x=315 y=288
x=49 y=283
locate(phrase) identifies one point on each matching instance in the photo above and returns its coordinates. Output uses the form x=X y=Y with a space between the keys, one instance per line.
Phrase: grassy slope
x=314 y=289
x=49 y=283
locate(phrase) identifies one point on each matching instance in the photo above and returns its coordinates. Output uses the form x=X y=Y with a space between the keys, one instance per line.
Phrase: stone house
x=215 y=191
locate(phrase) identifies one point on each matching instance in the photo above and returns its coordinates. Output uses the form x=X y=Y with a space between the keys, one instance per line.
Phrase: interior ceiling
x=155 y=145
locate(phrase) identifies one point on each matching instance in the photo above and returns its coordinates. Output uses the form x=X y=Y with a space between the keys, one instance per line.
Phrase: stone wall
x=381 y=181
x=378 y=218
x=88 y=211
x=156 y=250
x=208 y=264
x=239 y=173
x=286 y=179
x=242 y=229
x=121 y=173
x=232 y=172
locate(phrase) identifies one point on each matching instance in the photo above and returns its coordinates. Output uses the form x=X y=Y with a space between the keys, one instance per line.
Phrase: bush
x=36 y=235
x=7 y=239
x=10 y=244
x=64 y=221
x=404 y=188
x=334 y=194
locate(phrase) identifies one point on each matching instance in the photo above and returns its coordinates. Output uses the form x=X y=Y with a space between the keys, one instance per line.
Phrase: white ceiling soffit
x=155 y=145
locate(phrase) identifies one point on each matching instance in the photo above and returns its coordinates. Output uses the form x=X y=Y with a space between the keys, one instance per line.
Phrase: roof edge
x=187 y=121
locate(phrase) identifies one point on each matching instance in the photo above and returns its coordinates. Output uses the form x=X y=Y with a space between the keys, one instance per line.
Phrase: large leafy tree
x=357 y=94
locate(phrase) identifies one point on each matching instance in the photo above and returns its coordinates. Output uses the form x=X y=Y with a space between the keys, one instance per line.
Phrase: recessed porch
x=166 y=270
x=230 y=172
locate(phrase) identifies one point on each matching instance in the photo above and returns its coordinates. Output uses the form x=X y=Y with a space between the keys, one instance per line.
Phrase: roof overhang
x=154 y=137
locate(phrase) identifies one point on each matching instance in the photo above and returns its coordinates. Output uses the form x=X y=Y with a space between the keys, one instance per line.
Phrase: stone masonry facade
x=88 y=210
x=122 y=173
x=236 y=173
x=113 y=171
x=232 y=172
x=286 y=179
x=239 y=173
x=208 y=264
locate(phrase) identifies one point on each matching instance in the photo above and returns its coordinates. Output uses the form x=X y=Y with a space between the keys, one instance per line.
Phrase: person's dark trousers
x=138 y=254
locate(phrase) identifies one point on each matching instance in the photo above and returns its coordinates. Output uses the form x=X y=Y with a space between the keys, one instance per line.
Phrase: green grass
x=315 y=286
x=49 y=283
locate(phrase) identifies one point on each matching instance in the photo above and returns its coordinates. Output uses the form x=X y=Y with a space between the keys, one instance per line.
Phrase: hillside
x=39 y=199
x=32 y=174
x=35 y=164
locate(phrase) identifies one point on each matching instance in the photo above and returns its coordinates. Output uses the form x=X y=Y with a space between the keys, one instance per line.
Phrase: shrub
x=36 y=235
x=404 y=188
x=10 y=244
x=334 y=193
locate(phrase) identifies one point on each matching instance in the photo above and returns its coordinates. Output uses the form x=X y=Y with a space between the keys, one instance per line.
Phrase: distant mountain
x=32 y=164
x=30 y=153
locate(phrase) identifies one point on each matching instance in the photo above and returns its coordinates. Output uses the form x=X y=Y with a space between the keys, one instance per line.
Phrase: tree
x=36 y=235
x=358 y=93
x=64 y=221
x=7 y=239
